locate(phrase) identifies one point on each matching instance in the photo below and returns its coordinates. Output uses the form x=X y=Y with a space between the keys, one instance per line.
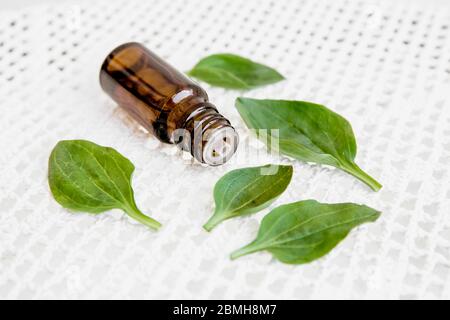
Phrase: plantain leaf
x=84 y=176
x=249 y=190
x=303 y=231
x=307 y=132
x=234 y=72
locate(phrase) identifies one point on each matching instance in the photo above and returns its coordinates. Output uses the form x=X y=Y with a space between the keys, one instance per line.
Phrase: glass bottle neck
x=207 y=135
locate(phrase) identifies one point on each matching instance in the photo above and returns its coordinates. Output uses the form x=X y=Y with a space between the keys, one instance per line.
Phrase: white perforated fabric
x=384 y=65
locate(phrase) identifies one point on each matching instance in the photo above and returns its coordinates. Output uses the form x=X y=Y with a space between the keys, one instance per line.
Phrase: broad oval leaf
x=84 y=176
x=234 y=72
x=303 y=231
x=248 y=190
x=307 y=132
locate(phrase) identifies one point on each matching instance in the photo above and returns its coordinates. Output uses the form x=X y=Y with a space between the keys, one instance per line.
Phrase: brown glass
x=158 y=96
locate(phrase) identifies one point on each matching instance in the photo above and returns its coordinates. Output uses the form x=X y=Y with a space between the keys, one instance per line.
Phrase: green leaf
x=84 y=176
x=249 y=190
x=307 y=132
x=234 y=72
x=304 y=231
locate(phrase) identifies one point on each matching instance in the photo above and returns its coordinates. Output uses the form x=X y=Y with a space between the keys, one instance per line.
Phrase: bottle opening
x=219 y=145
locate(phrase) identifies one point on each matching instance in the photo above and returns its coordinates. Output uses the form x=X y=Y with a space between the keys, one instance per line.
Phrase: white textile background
x=384 y=65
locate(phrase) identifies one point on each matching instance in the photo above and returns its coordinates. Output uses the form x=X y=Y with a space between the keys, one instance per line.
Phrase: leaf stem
x=137 y=215
x=212 y=222
x=354 y=170
x=250 y=248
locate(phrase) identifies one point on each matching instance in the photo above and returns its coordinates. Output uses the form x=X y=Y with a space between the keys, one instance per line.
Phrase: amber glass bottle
x=167 y=103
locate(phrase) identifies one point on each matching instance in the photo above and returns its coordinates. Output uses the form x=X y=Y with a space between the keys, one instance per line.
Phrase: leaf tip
x=373 y=214
x=376 y=214
x=239 y=100
x=289 y=168
x=280 y=76
x=240 y=103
